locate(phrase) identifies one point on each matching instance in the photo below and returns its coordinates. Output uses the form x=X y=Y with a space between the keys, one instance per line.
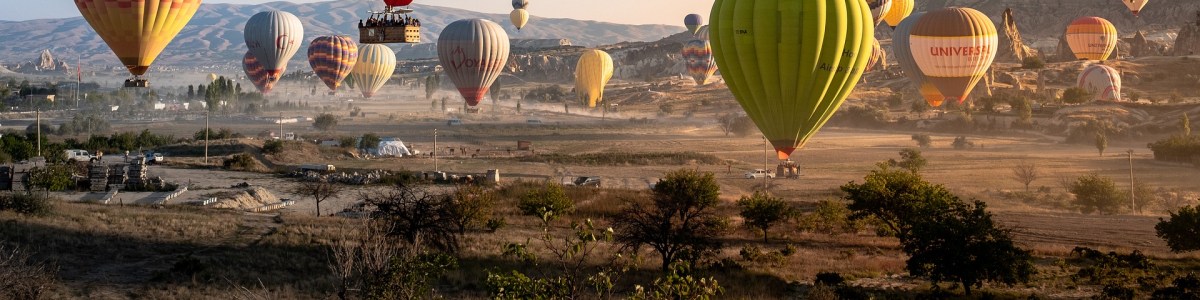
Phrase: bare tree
x=22 y=278
x=365 y=250
x=727 y=121
x=1026 y=173
x=320 y=190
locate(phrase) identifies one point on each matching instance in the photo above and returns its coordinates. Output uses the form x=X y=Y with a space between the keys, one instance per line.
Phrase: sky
x=668 y=12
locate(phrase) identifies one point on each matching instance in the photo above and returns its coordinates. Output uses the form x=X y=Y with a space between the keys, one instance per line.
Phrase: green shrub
x=38 y=204
x=52 y=178
x=241 y=162
x=761 y=211
x=1032 y=62
x=550 y=199
x=1182 y=230
x=272 y=147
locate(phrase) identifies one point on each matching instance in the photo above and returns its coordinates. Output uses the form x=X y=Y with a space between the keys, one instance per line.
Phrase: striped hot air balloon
x=376 y=64
x=592 y=73
x=900 y=9
x=257 y=73
x=473 y=53
x=904 y=57
x=878 y=9
x=788 y=67
x=332 y=58
x=954 y=47
x=1092 y=38
x=135 y=42
x=519 y=17
x=700 y=62
x=1102 y=81
x=1135 y=6
x=274 y=37
x=878 y=60
x=702 y=33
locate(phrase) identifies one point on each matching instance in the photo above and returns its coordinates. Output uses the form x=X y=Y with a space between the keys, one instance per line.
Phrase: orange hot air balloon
x=137 y=31
x=1092 y=38
x=954 y=47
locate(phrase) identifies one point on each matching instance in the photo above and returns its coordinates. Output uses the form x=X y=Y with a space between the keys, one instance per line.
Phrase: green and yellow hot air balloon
x=791 y=63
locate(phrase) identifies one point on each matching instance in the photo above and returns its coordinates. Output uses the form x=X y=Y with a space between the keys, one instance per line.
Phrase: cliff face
x=1139 y=46
x=1049 y=18
x=1011 y=48
x=1188 y=42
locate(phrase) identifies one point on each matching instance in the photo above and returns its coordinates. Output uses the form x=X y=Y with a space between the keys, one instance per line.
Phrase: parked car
x=592 y=181
x=533 y=122
x=759 y=173
x=79 y=155
x=153 y=157
x=452 y=122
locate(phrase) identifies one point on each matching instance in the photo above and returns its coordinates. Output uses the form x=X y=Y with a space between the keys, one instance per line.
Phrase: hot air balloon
x=520 y=4
x=1135 y=6
x=1102 y=81
x=212 y=77
x=954 y=47
x=395 y=3
x=878 y=9
x=693 y=23
x=332 y=58
x=137 y=43
x=592 y=73
x=1091 y=38
x=274 y=37
x=257 y=73
x=700 y=63
x=900 y=9
x=375 y=66
x=473 y=53
x=787 y=68
x=904 y=58
x=519 y=18
x=878 y=57
x=702 y=34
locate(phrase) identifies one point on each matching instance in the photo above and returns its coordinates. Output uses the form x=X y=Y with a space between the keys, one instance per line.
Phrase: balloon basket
x=390 y=35
x=137 y=83
x=788 y=169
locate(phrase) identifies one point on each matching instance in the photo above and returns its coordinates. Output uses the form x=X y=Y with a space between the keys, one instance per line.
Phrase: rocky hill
x=214 y=36
x=1049 y=18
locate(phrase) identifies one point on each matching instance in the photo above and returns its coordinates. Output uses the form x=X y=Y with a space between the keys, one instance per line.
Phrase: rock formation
x=1188 y=42
x=1064 y=51
x=45 y=63
x=1011 y=48
x=1139 y=46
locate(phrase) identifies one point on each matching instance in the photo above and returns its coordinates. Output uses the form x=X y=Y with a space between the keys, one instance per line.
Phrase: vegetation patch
x=625 y=159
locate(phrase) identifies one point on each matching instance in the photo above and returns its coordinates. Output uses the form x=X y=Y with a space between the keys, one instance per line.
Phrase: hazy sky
x=669 y=12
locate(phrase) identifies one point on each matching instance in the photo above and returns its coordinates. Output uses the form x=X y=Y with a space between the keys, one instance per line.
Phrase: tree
x=761 y=211
x=1182 y=230
x=919 y=106
x=1101 y=142
x=680 y=221
x=416 y=215
x=472 y=207
x=369 y=141
x=961 y=142
x=432 y=83
x=910 y=159
x=325 y=122
x=1184 y=287
x=1024 y=113
x=191 y=92
x=1096 y=193
x=1076 y=95
x=923 y=140
x=495 y=92
x=1025 y=173
x=320 y=189
x=894 y=197
x=548 y=202
x=960 y=242
x=51 y=178
x=726 y=122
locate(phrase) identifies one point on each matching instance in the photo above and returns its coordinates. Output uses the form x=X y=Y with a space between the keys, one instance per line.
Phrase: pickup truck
x=759 y=173
x=79 y=155
x=317 y=168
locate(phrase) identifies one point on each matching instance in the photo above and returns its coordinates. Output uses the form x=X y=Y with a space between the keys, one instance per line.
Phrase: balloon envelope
x=397 y=2
x=904 y=57
x=954 y=47
x=136 y=42
x=519 y=18
x=791 y=68
x=878 y=60
x=900 y=9
x=212 y=77
x=702 y=33
x=257 y=74
x=375 y=66
x=332 y=58
x=592 y=73
x=1092 y=38
x=274 y=37
x=693 y=22
x=878 y=9
x=473 y=53
x=699 y=58
x=1135 y=6
x=520 y=4
x=1102 y=81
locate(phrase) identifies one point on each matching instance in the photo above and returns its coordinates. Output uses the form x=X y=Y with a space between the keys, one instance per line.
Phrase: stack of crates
x=98 y=176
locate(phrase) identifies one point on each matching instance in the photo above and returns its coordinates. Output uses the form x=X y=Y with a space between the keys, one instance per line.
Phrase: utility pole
x=280 y=125
x=1132 y=197
x=435 y=150
x=39 y=131
x=206 y=130
x=765 y=150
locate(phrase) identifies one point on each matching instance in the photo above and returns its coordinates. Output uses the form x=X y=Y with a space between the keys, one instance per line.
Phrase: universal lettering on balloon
x=959 y=51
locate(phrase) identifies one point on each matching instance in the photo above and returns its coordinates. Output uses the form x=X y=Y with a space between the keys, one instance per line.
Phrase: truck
x=317 y=168
x=759 y=173
x=79 y=155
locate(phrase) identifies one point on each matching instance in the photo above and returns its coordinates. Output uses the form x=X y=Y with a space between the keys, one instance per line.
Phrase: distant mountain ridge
x=214 y=36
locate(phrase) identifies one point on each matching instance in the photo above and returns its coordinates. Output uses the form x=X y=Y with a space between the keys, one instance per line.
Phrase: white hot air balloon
x=274 y=37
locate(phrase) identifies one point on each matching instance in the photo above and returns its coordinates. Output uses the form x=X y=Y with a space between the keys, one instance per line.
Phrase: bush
x=421 y=218
x=272 y=147
x=831 y=217
x=241 y=162
x=327 y=122
x=410 y=276
x=1177 y=148
x=1096 y=193
x=52 y=178
x=761 y=211
x=472 y=207
x=21 y=278
x=1182 y=230
x=549 y=200
x=910 y=159
x=680 y=221
x=1183 y=287
x=961 y=142
x=1076 y=95
x=38 y=204
x=923 y=140
x=679 y=285
x=1032 y=63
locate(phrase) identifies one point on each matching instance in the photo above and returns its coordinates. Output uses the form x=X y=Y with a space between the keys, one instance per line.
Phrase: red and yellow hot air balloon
x=1135 y=6
x=473 y=52
x=700 y=64
x=954 y=47
x=257 y=73
x=878 y=60
x=394 y=3
x=791 y=65
x=878 y=9
x=137 y=31
x=1092 y=38
x=902 y=51
x=1102 y=81
x=332 y=58
x=900 y=9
